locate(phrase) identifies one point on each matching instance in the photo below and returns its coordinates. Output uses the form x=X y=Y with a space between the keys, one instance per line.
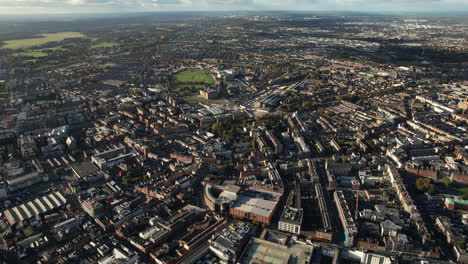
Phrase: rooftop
x=84 y=169
x=35 y=207
x=261 y=251
x=292 y=215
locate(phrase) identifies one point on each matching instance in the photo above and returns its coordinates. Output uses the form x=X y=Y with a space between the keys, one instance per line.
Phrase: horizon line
x=292 y=11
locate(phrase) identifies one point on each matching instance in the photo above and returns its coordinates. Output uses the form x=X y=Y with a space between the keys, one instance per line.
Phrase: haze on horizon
x=118 y=6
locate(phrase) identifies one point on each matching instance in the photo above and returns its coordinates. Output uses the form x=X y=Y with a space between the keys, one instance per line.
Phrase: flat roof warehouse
x=35 y=207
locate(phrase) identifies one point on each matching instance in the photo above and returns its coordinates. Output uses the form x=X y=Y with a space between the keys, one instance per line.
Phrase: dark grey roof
x=84 y=169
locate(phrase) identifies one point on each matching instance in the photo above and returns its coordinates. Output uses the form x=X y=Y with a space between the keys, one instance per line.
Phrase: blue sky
x=108 y=6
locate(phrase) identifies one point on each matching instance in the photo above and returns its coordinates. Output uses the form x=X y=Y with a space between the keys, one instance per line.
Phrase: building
x=291 y=220
x=254 y=209
x=66 y=228
x=84 y=169
x=20 y=175
x=27 y=146
x=349 y=227
x=371 y=258
x=262 y=251
x=210 y=93
x=93 y=207
x=455 y=204
x=250 y=204
x=35 y=207
x=119 y=256
x=229 y=243
x=460 y=254
x=110 y=158
x=71 y=143
x=3 y=190
x=67 y=224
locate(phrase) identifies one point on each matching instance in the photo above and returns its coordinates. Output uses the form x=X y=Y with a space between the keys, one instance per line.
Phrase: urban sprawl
x=274 y=138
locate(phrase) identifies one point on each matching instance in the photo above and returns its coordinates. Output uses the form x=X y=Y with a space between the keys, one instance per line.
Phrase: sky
x=111 y=6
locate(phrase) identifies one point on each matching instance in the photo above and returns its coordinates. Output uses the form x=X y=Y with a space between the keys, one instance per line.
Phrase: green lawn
x=463 y=190
x=45 y=38
x=47 y=101
x=188 y=83
x=38 y=53
x=229 y=41
x=109 y=64
x=103 y=45
x=31 y=60
x=192 y=100
x=195 y=76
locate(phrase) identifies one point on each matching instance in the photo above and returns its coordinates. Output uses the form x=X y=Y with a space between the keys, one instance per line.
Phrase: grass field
x=109 y=64
x=103 y=45
x=47 y=101
x=229 y=41
x=39 y=53
x=48 y=98
x=195 y=76
x=45 y=38
x=31 y=60
x=189 y=83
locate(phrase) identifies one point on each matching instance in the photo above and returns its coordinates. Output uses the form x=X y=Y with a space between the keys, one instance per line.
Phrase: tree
x=465 y=196
x=58 y=171
x=128 y=178
x=216 y=127
x=446 y=181
x=424 y=184
x=307 y=105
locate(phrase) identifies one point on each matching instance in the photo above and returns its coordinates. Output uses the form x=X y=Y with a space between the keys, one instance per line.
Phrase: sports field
x=45 y=38
x=195 y=76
